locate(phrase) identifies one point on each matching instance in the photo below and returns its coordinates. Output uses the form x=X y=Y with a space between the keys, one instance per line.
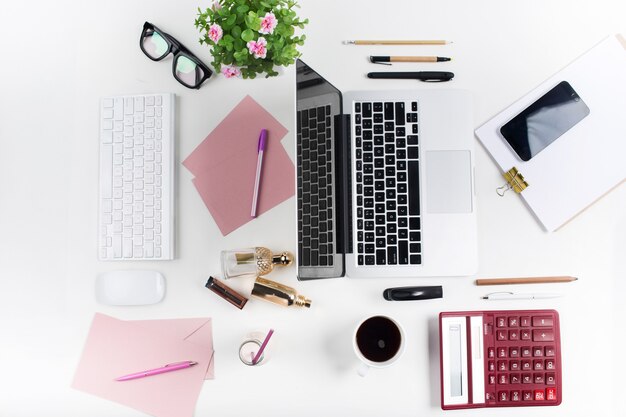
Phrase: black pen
x=377 y=59
x=436 y=76
x=413 y=293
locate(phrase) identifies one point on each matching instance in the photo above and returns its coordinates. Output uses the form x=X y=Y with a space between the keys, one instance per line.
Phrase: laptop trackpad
x=448 y=182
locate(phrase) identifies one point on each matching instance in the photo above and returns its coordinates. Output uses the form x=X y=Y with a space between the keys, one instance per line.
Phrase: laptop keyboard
x=388 y=221
x=316 y=244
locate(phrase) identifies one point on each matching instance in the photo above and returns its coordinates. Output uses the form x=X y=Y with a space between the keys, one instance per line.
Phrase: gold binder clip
x=514 y=181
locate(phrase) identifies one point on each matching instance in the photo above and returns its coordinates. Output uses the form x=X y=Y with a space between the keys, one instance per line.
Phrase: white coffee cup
x=378 y=342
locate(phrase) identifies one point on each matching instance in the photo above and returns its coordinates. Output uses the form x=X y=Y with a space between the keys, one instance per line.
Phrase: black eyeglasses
x=186 y=68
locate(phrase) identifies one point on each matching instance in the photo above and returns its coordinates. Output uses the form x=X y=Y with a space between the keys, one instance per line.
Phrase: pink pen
x=167 y=368
x=259 y=163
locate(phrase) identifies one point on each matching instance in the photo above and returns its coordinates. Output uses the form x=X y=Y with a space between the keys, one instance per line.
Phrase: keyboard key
x=413 y=179
x=543 y=335
x=542 y=321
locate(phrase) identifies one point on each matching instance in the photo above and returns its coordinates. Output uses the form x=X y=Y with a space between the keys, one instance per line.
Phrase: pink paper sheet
x=116 y=347
x=225 y=165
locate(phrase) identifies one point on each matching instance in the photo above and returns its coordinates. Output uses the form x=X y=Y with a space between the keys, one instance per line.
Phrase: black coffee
x=378 y=339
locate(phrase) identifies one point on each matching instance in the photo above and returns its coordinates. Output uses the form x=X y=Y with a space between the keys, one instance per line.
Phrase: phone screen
x=544 y=121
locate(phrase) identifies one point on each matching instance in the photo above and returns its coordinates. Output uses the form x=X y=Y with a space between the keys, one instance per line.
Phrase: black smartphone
x=544 y=121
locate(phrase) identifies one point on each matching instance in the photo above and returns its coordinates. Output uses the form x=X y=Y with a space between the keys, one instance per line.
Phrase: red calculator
x=504 y=358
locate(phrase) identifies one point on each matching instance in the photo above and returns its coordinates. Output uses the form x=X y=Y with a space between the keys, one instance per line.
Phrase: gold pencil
x=525 y=280
x=396 y=42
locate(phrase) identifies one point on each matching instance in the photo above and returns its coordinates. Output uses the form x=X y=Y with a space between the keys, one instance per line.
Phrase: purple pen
x=259 y=163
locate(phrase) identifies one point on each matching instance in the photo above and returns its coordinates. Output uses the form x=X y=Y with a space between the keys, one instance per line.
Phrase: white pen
x=259 y=164
x=520 y=296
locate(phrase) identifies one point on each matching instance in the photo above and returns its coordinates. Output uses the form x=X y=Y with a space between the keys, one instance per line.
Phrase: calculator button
x=551 y=394
x=539 y=395
x=524 y=321
x=492 y=379
x=491 y=352
x=543 y=335
x=514 y=366
x=515 y=379
x=538 y=351
x=525 y=334
x=526 y=352
x=527 y=379
x=515 y=396
x=514 y=352
x=550 y=364
x=538 y=365
x=526 y=366
x=503 y=395
x=539 y=379
x=550 y=378
x=543 y=321
x=513 y=334
x=527 y=395
x=502 y=353
x=490 y=397
x=501 y=322
x=501 y=334
x=491 y=366
x=513 y=322
x=502 y=366
x=503 y=380
x=549 y=351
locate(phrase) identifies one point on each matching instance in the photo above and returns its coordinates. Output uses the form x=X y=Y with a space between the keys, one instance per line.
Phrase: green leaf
x=243 y=8
x=247 y=35
x=236 y=32
x=230 y=21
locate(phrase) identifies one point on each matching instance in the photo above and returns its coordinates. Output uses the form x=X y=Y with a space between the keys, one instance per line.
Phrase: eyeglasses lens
x=154 y=45
x=188 y=72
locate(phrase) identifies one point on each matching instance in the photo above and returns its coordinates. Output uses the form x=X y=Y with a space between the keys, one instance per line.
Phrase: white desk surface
x=60 y=57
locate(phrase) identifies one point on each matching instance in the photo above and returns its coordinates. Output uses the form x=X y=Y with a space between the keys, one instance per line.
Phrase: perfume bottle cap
x=302 y=301
x=284 y=259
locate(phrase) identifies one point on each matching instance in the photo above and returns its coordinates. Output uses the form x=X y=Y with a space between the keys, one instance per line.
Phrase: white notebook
x=586 y=161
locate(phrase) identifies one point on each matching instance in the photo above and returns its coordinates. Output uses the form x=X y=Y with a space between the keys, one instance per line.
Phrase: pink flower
x=216 y=5
x=230 y=71
x=258 y=47
x=268 y=23
x=215 y=32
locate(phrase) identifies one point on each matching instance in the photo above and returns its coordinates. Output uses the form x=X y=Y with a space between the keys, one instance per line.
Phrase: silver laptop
x=385 y=181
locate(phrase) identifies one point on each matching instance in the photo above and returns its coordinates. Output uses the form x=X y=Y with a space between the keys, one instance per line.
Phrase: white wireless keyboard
x=137 y=177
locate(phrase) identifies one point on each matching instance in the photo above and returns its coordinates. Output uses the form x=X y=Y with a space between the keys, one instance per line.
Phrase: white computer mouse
x=130 y=288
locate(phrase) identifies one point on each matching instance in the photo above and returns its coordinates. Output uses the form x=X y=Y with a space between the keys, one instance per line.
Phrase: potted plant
x=250 y=37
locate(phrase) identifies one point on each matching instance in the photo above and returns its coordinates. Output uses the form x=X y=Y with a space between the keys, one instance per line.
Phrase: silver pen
x=520 y=296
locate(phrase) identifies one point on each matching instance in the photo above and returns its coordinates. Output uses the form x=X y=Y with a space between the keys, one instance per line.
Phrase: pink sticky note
x=116 y=347
x=194 y=330
x=227 y=189
x=239 y=129
x=225 y=166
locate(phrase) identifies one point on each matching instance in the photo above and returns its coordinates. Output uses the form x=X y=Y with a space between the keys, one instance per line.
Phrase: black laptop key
x=378 y=118
x=367 y=123
x=357 y=107
x=388 y=108
x=392 y=240
x=381 y=242
x=414 y=196
x=379 y=140
x=400 y=114
x=367 y=109
x=379 y=163
x=370 y=260
x=403 y=233
x=414 y=106
x=389 y=127
x=370 y=248
x=369 y=237
x=378 y=129
x=416 y=259
x=414 y=129
x=414 y=223
x=415 y=248
x=400 y=131
x=381 y=257
x=378 y=107
x=392 y=255
x=380 y=230
x=403 y=252
x=413 y=152
x=412 y=139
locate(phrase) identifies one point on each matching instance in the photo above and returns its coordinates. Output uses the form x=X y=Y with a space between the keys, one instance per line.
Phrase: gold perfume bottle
x=252 y=262
x=277 y=293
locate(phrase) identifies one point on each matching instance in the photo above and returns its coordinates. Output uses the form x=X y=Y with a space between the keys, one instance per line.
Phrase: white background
x=59 y=58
